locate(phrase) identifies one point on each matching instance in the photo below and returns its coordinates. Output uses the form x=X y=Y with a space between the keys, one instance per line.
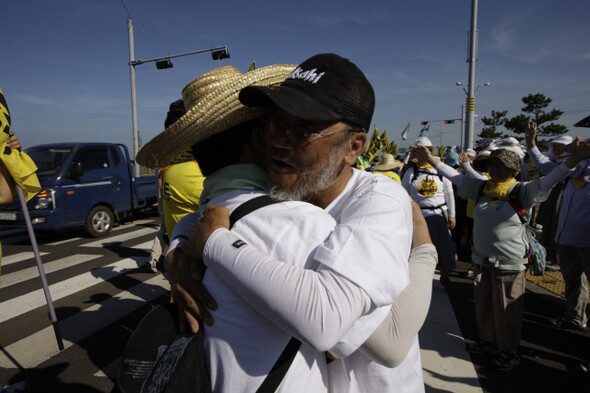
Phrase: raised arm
x=544 y=164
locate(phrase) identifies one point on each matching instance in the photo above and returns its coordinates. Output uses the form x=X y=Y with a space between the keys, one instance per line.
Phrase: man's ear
x=356 y=145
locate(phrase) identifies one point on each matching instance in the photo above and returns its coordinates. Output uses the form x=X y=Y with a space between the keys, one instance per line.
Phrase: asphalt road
x=100 y=294
x=549 y=354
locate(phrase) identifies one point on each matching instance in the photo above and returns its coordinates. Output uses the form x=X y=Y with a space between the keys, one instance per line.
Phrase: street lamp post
x=218 y=53
x=467 y=117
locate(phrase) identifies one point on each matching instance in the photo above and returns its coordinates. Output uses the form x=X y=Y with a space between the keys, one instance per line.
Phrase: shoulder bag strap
x=515 y=202
x=281 y=366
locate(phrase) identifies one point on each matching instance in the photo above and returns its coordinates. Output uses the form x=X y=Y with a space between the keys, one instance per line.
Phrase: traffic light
x=162 y=64
x=423 y=123
x=449 y=121
x=220 y=54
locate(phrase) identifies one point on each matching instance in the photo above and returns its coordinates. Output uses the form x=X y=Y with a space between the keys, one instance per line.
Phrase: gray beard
x=312 y=181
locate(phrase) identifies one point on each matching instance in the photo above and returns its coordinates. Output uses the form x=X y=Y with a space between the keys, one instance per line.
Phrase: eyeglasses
x=300 y=131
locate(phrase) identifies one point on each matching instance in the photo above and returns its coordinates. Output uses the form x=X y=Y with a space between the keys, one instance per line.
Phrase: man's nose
x=284 y=139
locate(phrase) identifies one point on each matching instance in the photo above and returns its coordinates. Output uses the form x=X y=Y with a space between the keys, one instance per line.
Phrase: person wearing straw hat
x=314 y=132
x=387 y=167
x=227 y=361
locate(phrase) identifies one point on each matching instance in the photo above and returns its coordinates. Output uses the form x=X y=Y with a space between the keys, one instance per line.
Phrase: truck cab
x=83 y=184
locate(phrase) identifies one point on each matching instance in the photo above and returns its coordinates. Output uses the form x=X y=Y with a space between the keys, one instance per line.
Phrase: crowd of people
x=324 y=272
x=340 y=263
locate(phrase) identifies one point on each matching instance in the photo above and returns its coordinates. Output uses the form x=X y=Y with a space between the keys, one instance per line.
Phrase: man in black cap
x=314 y=132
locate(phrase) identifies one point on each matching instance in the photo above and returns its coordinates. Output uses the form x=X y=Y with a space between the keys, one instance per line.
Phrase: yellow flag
x=252 y=67
x=19 y=164
x=384 y=141
x=374 y=146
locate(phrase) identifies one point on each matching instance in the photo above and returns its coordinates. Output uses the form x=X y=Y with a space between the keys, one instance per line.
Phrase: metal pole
x=25 y=210
x=462 y=142
x=470 y=101
x=133 y=96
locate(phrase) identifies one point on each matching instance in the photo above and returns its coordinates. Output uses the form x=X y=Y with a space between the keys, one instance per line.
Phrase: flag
x=252 y=67
x=405 y=132
x=384 y=141
x=374 y=146
x=425 y=128
x=391 y=149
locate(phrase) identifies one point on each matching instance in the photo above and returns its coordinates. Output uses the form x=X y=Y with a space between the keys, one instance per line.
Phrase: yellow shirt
x=390 y=174
x=182 y=186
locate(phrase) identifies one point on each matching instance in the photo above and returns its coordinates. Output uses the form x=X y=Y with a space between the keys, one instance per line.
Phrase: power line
x=126 y=10
x=140 y=27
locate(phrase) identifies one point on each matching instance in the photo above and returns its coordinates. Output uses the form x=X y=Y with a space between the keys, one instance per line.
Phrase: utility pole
x=133 y=96
x=218 y=53
x=470 y=101
x=462 y=143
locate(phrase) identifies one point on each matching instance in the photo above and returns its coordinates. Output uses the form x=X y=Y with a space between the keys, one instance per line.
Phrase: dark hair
x=225 y=148
x=174 y=113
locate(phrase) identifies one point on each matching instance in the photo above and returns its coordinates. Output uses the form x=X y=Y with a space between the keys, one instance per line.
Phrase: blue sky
x=65 y=73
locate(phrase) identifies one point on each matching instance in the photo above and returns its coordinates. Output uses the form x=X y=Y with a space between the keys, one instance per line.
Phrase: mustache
x=282 y=155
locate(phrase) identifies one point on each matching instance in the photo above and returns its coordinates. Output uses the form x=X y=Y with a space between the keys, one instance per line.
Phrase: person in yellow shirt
x=182 y=185
x=387 y=167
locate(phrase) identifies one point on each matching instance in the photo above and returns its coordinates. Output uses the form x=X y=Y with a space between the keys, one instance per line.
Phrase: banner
x=425 y=128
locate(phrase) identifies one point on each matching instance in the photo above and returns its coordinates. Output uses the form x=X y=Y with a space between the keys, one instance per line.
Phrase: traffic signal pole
x=218 y=53
x=470 y=101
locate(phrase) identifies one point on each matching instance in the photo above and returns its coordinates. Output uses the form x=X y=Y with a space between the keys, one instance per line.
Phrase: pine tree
x=491 y=125
x=535 y=105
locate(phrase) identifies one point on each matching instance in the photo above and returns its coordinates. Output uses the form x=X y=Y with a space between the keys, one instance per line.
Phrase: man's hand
x=420 y=235
x=214 y=217
x=580 y=151
x=530 y=133
x=189 y=294
x=452 y=223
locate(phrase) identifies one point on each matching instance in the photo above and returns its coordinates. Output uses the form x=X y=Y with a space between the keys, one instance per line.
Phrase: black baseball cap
x=325 y=87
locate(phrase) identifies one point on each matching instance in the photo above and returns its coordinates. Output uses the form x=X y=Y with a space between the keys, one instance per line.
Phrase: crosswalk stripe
x=120 y=238
x=22 y=304
x=9 y=260
x=59 y=243
x=144 y=246
x=41 y=346
x=48 y=267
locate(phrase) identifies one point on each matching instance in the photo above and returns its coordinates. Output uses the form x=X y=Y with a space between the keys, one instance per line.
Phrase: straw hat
x=388 y=163
x=212 y=107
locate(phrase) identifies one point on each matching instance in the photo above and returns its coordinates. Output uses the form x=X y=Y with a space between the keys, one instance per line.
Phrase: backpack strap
x=516 y=203
x=417 y=171
x=281 y=366
x=249 y=206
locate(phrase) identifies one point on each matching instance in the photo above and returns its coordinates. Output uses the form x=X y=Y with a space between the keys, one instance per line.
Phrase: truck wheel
x=99 y=221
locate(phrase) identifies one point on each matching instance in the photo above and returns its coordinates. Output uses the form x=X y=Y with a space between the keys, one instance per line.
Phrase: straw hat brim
x=213 y=107
x=389 y=166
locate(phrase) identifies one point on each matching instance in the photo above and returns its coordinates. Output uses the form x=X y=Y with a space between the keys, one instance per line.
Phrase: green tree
x=535 y=106
x=491 y=125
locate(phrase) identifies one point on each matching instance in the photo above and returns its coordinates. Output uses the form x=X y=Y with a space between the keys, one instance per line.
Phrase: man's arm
x=390 y=343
